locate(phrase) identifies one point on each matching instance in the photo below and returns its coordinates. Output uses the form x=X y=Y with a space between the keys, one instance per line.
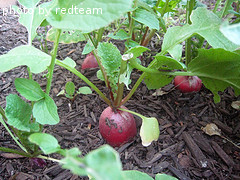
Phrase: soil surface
x=182 y=150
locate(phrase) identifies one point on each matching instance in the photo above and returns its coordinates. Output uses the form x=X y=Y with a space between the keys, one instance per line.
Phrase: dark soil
x=182 y=150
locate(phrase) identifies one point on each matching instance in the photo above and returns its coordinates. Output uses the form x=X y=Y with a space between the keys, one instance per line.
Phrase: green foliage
x=164 y=63
x=96 y=14
x=149 y=130
x=232 y=32
x=45 y=111
x=111 y=60
x=70 y=89
x=104 y=164
x=84 y=90
x=24 y=55
x=68 y=61
x=137 y=51
x=88 y=48
x=218 y=70
x=147 y=18
x=46 y=142
x=33 y=20
x=164 y=177
x=206 y=27
x=120 y=35
x=30 y=89
x=19 y=113
x=135 y=175
x=73 y=162
x=67 y=36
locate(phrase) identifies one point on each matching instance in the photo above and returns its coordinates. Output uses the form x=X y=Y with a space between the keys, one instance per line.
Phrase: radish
x=188 y=83
x=89 y=62
x=118 y=127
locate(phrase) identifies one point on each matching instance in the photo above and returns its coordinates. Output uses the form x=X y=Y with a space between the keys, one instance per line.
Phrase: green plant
x=70 y=90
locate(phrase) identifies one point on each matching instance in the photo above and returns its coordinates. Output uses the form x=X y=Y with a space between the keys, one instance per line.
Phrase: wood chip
x=195 y=150
x=228 y=160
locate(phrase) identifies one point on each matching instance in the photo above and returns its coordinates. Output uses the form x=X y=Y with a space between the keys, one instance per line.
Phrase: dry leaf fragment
x=159 y=92
x=212 y=129
x=236 y=105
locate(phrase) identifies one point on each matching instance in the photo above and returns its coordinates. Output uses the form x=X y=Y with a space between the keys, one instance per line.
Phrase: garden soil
x=182 y=150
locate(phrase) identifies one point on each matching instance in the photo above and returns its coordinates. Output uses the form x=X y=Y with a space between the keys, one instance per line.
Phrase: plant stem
x=225 y=8
x=131 y=21
x=81 y=76
x=120 y=85
x=140 y=79
x=147 y=40
x=29 y=73
x=216 y=6
x=8 y=150
x=132 y=112
x=92 y=41
x=53 y=61
x=100 y=34
x=238 y=4
x=188 y=50
x=144 y=36
x=8 y=130
x=49 y=158
x=165 y=8
x=153 y=31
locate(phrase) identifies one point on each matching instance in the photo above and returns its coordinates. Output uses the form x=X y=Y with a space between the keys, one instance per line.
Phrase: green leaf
x=35 y=59
x=73 y=162
x=131 y=44
x=147 y=18
x=70 y=88
x=176 y=52
x=120 y=35
x=35 y=17
x=218 y=70
x=88 y=48
x=66 y=37
x=206 y=27
x=111 y=60
x=164 y=177
x=68 y=61
x=30 y=89
x=46 y=142
x=19 y=114
x=136 y=175
x=149 y=130
x=104 y=164
x=29 y=4
x=156 y=81
x=227 y=7
x=84 y=90
x=45 y=111
x=137 y=51
x=232 y=32
x=125 y=77
x=89 y=15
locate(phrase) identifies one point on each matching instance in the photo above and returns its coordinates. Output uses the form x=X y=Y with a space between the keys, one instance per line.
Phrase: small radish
x=37 y=163
x=118 y=127
x=188 y=83
x=89 y=62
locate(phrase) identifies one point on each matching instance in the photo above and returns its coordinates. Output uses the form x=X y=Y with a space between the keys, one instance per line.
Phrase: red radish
x=89 y=62
x=117 y=128
x=188 y=83
x=37 y=163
